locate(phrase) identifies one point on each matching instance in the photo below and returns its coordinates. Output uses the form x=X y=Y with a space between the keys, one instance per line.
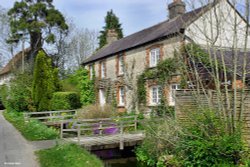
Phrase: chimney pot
x=112 y=36
x=176 y=8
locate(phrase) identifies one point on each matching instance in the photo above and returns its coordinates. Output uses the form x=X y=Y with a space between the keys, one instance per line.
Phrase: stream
x=118 y=158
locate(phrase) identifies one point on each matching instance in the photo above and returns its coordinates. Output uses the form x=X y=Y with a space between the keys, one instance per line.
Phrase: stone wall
x=135 y=63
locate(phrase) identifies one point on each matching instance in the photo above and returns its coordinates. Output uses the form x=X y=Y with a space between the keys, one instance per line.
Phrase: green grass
x=68 y=155
x=31 y=130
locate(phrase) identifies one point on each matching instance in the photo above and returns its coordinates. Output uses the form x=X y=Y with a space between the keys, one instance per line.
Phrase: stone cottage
x=14 y=65
x=118 y=65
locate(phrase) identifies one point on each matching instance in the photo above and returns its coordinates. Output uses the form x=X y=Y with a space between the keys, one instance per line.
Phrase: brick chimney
x=176 y=8
x=112 y=36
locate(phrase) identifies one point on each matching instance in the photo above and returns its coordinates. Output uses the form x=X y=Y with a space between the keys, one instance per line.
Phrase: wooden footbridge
x=93 y=133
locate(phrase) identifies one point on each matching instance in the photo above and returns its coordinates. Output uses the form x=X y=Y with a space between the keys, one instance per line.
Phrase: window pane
x=159 y=94
x=91 y=71
x=157 y=53
x=154 y=95
x=154 y=57
x=121 y=65
x=102 y=70
x=122 y=96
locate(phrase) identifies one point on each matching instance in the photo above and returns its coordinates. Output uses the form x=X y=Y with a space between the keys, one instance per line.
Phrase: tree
x=81 y=45
x=5 y=48
x=86 y=86
x=37 y=19
x=213 y=60
x=45 y=82
x=111 y=22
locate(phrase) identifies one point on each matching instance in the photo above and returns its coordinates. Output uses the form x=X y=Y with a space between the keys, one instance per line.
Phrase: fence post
x=61 y=135
x=135 y=122
x=78 y=134
x=25 y=117
x=100 y=128
x=121 y=136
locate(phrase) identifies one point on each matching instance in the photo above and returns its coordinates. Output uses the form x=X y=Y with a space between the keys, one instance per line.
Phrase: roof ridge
x=162 y=29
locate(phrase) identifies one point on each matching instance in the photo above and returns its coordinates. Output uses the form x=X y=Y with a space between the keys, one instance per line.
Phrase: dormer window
x=121 y=65
x=154 y=57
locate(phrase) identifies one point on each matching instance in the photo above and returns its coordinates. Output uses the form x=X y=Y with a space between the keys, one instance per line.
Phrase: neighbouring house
x=14 y=65
x=118 y=65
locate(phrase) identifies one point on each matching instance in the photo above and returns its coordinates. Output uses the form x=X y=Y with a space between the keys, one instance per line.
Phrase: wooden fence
x=51 y=117
x=189 y=100
x=103 y=131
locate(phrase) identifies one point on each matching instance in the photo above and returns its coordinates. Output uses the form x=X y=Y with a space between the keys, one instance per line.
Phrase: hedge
x=65 y=101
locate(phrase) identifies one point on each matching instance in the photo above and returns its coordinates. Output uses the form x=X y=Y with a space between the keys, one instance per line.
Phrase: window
x=154 y=57
x=173 y=88
x=155 y=95
x=121 y=96
x=91 y=72
x=103 y=69
x=102 y=99
x=121 y=65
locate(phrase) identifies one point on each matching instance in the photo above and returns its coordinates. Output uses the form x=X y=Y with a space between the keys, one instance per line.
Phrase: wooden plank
x=48 y=112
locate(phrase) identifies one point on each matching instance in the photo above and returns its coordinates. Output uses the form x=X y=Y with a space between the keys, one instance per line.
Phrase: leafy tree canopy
x=111 y=22
x=37 y=18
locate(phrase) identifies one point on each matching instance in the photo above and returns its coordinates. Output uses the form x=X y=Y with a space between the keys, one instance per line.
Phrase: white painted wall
x=221 y=25
x=5 y=79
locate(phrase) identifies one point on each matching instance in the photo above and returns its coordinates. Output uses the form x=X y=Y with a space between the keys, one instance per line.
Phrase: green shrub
x=4 y=95
x=87 y=87
x=18 y=96
x=31 y=130
x=67 y=155
x=65 y=101
x=45 y=82
x=79 y=82
x=201 y=141
x=96 y=111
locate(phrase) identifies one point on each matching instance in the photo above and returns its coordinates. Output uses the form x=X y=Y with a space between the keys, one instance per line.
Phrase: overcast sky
x=134 y=15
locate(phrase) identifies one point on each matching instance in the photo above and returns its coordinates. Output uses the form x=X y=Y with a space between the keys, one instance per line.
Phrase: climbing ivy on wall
x=199 y=55
x=87 y=87
x=162 y=73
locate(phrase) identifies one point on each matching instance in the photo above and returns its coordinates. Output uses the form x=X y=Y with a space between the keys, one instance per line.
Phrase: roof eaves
x=86 y=62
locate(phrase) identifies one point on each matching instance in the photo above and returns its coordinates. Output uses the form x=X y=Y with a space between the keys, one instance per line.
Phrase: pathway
x=15 y=151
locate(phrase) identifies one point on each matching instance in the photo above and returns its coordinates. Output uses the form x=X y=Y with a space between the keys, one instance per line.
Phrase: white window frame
x=102 y=98
x=155 y=95
x=91 y=71
x=121 y=65
x=103 y=69
x=173 y=88
x=121 y=96
x=154 y=57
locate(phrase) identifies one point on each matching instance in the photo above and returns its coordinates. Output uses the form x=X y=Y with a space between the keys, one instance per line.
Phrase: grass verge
x=31 y=130
x=67 y=155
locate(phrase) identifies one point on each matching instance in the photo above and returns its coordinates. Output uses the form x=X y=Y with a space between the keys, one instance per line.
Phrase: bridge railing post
x=78 y=133
x=121 y=136
x=100 y=128
x=135 y=122
x=61 y=135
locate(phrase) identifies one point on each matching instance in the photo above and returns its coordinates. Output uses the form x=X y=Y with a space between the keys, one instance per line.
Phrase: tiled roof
x=14 y=62
x=154 y=33
x=229 y=60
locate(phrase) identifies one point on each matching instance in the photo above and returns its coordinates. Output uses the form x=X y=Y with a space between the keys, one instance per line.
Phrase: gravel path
x=15 y=151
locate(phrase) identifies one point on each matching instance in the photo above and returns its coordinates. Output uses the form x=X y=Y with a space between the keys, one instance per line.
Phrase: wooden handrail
x=47 y=115
x=100 y=124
